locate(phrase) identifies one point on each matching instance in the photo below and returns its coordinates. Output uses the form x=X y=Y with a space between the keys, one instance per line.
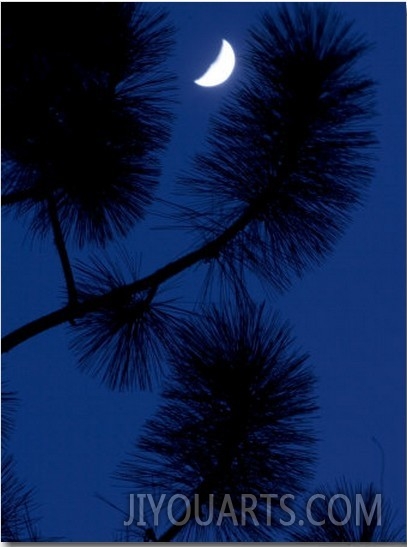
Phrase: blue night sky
x=349 y=314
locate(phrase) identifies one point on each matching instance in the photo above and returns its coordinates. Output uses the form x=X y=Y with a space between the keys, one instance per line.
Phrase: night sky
x=349 y=314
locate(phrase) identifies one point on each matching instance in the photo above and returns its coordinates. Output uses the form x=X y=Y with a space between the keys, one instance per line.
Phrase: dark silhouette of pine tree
x=235 y=419
x=83 y=118
x=86 y=113
x=288 y=162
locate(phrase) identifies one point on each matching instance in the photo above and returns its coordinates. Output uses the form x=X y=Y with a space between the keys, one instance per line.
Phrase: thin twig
x=61 y=248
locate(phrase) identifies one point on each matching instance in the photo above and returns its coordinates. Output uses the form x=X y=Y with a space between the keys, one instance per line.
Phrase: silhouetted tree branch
x=83 y=119
x=286 y=162
x=61 y=248
x=152 y=281
x=235 y=418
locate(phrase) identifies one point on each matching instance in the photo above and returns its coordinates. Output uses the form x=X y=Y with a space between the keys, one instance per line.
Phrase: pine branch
x=296 y=138
x=85 y=115
x=154 y=280
x=62 y=251
x=236 y=418
x=124 y=344
x=287 y=163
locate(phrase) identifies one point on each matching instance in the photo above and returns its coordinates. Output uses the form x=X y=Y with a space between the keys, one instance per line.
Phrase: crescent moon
x=221 y=69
